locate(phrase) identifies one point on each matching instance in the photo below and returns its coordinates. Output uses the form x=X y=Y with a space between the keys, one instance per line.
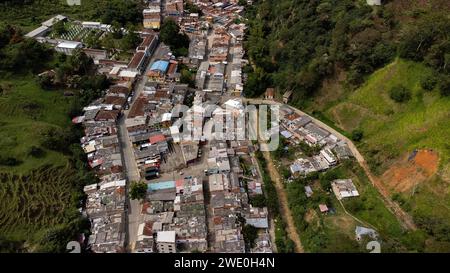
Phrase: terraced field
x=40 y=199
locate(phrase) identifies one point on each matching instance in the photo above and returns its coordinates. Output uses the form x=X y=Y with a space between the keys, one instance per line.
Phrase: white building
x=344 y=188
x=165 y=242
x=68 y=47
x=329 y=156
x=373 y=2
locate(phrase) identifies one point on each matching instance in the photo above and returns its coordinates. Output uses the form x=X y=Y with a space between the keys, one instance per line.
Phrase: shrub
x=444 y=86
x=400 y=94
x=258 y=200
x=357 y=135
x=428 y=83
x=9 y=161
x=138 y=190
x=36 y=151
x=250 y=234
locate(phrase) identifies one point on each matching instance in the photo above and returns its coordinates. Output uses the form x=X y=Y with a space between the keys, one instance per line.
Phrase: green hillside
x=26 y=113
x=390 y=128
x=394 y=130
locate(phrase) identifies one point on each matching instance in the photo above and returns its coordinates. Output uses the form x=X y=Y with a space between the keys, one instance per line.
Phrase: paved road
x=404 y=218
x=130 y=166
x=132 y=174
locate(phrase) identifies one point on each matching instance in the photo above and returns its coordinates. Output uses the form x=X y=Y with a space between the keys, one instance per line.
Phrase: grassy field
x=26 y=112
x=40 y=192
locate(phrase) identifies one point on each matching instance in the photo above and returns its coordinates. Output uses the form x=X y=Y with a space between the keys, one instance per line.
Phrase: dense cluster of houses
x=106 y=199
x=174 y=218
x=296 y=128
x=174 y=212
x=149 y=121
x=220 y=38
x=230 y=200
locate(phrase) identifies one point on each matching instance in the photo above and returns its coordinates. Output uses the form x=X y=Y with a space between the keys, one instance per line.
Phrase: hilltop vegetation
x=296 y=44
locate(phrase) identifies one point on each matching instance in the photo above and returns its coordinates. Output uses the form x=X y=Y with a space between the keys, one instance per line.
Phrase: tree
x=444 y=86
x=138 y=190
x=242 y=2
x=357 y=135
x=188 y=5
x=187 y=77
x=258 y=201
x=250 y=234
x=428 y=83
x=36 y=151
x=121 y=11
x=59 y=28
x=108 y=42
x=400 y=94
x=92 y=40
x=171 y=36
x=45 y=81
x=130 y=41
x=79 y=63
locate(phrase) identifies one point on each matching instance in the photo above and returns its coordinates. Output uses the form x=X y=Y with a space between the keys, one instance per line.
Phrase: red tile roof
x=136 y=60
x=107 y=115
x=116 y=100
x=157 y=138
x=119 y=89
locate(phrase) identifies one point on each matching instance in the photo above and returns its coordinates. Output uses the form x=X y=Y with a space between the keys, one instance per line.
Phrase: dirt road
x=284 y=205
x=404 y=218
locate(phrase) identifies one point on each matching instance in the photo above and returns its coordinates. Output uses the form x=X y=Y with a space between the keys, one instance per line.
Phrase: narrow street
x=130 y=167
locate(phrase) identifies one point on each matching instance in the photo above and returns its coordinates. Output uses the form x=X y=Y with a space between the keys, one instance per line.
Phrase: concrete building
x=68 y=47
x=373 y=2
x=165 y=242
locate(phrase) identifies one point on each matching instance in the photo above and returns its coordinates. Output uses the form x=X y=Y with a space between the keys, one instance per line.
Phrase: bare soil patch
x=406 y=174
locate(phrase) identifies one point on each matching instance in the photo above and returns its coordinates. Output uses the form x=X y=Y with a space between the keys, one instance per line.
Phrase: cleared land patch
x=407 y=174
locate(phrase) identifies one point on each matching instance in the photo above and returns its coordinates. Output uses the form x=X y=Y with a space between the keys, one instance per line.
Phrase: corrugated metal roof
x=160 y=66
x=161 y=185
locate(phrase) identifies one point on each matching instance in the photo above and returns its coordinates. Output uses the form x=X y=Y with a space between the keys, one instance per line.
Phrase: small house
x=308 y=191
x=363 y=231
x=270 y=94
x=323 y=208
x=344 y=188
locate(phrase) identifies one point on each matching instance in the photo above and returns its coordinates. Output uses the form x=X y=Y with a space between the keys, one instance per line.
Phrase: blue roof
x=286 y=134
x=160 y=66
x=160 y=185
